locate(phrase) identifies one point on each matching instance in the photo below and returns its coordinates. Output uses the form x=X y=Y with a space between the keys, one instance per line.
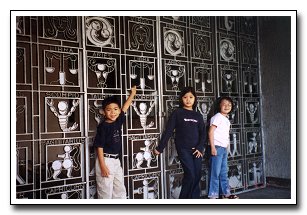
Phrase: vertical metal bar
x=32 y=105
x=39 y=113
x=159 y=94
x=85 y=106
x=217 y=91
x=260 y=103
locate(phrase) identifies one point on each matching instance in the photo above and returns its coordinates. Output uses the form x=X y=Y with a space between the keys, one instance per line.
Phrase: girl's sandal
x=230 y=197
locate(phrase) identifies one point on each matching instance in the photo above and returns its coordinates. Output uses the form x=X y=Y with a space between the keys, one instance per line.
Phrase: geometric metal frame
x=65 y=67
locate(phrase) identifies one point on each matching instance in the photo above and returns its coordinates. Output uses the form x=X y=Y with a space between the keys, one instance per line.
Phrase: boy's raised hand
x=133 y=90
x=129 y=100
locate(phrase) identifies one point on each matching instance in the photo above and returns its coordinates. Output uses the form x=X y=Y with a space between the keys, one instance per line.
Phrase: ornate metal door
x=65 y=67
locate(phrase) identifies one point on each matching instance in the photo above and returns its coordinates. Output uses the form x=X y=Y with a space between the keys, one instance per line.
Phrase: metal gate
x=65 y=67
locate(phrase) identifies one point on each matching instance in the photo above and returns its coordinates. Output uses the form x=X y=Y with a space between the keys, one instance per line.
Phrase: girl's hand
x=213 y=151
x=197 y=153
x=156 y=152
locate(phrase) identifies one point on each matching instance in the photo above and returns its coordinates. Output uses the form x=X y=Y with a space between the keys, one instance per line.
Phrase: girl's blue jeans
x=218 y=183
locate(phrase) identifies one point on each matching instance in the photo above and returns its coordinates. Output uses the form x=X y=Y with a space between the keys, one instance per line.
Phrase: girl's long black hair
x=185 y=91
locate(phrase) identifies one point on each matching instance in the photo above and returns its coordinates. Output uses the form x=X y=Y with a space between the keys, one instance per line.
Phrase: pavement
x=268 y=192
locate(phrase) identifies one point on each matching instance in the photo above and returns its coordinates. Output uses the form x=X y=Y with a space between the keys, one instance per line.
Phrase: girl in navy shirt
x=190 y=136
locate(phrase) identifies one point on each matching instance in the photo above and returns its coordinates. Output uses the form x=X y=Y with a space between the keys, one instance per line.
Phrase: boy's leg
x=104 y=184
x=119 y=189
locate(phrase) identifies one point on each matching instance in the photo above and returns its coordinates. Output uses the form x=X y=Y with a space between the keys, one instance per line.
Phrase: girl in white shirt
x=219 y=141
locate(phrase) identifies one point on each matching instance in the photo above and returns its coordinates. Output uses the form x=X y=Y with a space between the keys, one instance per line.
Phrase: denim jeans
x=218 y=183
x=191 y=165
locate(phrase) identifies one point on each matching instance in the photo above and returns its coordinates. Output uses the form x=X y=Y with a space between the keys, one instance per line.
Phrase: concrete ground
x=269 y=192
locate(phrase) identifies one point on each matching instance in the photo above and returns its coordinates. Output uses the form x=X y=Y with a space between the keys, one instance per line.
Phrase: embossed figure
x=228 y=77
x=252 y=144
x=175 y=186
x=19 y=22
x=19 y=110
x=143 y=113
x=235 y=108
x=19 y=55
x=141 y=67
x=97 y=106
x=249 y=53
x=203 y=21
x=255 y=174
x=172 y=105
x=228 y=23
x=177 y=18
x=66 y=163
x=175 y=75
x=252 y=108
x=173 y=43
x=227 y=50
x=173 y=155
x=63 y=115
x=92 y=191
x=234 y=142
x=99 y=31
x=204 y=110
x=57 y=24
x=69 y=58
x=201 y=47
x=141 y=37
x=248 y=25
x=235 y=180
x=18 y=176
x=102 y=70
x=64 y=196
x=145 y=155
x=147 y=190
x=250 y=82
x=74 y=195
x=203 y=75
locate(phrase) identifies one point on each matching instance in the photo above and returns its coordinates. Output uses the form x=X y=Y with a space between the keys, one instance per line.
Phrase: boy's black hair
x=185 y=91
x=218 y=103
x=109 y=100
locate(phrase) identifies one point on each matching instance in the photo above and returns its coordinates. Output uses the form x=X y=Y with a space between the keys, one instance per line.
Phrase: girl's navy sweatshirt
x=189 y=127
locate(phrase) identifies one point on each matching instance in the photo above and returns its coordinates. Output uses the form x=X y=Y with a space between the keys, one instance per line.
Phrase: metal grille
x=65 y=67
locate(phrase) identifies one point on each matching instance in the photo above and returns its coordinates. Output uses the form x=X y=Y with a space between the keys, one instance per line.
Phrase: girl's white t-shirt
x=221 y=133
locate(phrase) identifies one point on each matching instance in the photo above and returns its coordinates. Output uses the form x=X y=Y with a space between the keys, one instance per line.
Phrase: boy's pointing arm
x=129 y=100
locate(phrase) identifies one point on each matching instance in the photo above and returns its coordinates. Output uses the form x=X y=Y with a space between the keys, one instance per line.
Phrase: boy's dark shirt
x=108 y=135
x=190 y=131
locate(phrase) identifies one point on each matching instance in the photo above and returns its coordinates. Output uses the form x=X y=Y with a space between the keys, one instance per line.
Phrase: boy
x=108 y=142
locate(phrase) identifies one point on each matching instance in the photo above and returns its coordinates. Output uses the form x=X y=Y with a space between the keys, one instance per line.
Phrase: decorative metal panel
x=66 y=66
